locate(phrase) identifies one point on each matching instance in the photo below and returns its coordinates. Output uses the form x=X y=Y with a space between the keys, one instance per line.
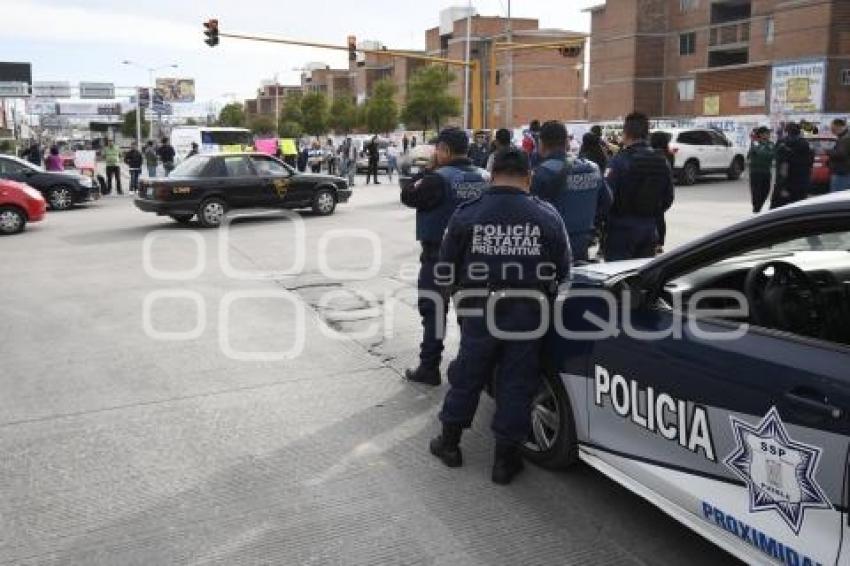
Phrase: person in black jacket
x=374 y=154
x=165 y=152
x=591 y=149
x=794 y=161
x=133 y=159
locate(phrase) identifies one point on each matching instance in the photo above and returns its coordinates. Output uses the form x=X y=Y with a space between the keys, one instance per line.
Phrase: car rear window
x=694 y=138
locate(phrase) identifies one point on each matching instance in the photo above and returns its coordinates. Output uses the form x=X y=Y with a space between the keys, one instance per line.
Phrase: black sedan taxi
x=207 y=186
x=714 y=381
x=61 y=189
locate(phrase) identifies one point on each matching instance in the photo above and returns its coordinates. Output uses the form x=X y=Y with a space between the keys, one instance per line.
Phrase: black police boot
x=424 y=374
x=506 y=464
x=446 y=446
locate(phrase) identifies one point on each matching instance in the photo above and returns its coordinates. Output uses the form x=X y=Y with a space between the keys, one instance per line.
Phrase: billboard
x=97 y=90
x=14 y=89
x=89 y=109
x=51 y=89
x=176 y=90
x=798 y=87
x=16 y=73
x=41 y=107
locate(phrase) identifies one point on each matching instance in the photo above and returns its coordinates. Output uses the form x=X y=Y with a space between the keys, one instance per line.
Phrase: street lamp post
x=151 y=86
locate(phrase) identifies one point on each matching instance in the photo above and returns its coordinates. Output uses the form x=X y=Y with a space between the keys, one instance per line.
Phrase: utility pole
x=509 y=96
x=466 y=69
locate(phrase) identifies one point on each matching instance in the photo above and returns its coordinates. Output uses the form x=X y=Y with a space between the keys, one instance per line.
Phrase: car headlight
x=85 y=181
x=32 y=193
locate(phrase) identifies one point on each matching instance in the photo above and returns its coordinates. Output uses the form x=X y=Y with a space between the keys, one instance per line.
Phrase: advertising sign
x=97 y=90
x=16 y=73
x=41 y=107
x=89 y=109
x=14 y=89
x=51 y=89
x=711 y=105
x=798 y=87
x=176 y=90
x=751 y=98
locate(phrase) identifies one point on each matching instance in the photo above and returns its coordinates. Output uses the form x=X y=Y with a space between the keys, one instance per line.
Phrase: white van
x=209 y=139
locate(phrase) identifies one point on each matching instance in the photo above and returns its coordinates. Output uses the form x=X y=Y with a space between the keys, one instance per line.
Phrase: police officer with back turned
x=435 y=195
x=575 y=187
x=642 y=184
x=507 y=251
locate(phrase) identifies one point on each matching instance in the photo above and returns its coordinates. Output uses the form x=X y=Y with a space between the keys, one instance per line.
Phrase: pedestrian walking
x=435 y=193
x=330 y=157
x=165 y=153
x=151 y=158
x=839 y=157
x=760 y=158
x=405 y=144
x=134 y=160
x=508 y=251
x=374 y=155
x=794 y=161
x=53 y=161
x=573 y=185
x=351 y=156
x=112 y=159
x=392 y=160
x=303 y=157
x=642 y=186
x=315 y=157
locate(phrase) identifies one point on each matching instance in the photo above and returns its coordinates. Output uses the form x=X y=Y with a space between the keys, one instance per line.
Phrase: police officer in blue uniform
x=508 y=252
x=435 y=195
x=642 y=184
x=574 y=186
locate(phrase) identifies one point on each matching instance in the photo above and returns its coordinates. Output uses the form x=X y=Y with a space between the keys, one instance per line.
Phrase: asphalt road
x=150 y=413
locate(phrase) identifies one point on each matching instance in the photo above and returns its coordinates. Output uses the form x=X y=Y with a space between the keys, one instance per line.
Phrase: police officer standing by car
x=642 y=185
x=574 y=186
x=435 y=194
x=508 y=252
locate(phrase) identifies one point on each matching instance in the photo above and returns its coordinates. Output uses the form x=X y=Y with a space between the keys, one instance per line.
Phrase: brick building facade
x=546 y=84
x=685 y=58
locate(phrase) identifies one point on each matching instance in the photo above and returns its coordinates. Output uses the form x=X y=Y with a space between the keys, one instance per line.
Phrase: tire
x=182 y=218
x=60 y=198
x=689 y=174
x=211 y=212
x=736 y=169
x=552 y=442
x=324 y=202
x=12 y=220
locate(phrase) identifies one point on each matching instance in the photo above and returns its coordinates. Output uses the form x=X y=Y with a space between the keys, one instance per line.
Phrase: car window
x=237 y=166
x=9 y=167
x=192 y=167
x=694 y=137
x=268 y=167
x=717 y=138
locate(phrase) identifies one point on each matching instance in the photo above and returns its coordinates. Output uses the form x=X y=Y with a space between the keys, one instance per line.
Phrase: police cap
x=456 y=140
x=511 y=161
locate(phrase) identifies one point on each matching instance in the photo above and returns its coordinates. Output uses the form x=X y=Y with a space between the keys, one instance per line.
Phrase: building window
x=688 y=43
x=688 y=5
x=845 y=77
x=769 y=30
x=686 y=89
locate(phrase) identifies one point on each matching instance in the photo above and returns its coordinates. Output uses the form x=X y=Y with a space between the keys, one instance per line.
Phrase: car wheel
x=182 y=218
x=211 y=212
x=12 y=220
x=552 y=441
x=60 y=198
x=324 y=202
x=689 y=174
x=736 y=169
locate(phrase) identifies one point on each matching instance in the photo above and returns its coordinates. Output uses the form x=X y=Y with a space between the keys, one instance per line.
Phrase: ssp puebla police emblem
x=779 y=471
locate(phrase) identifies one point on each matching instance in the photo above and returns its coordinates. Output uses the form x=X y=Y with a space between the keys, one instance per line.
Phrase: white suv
x=703 y=151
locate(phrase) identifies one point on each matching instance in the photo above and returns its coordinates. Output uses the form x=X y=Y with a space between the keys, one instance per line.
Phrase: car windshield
x=192 y=167
x=26 y=164
x=835 y=241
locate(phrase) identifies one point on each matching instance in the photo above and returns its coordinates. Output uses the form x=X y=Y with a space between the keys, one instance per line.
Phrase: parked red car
x=19 y=204
x=820 y=170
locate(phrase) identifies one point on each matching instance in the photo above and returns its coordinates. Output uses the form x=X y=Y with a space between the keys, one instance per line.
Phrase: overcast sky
x=86 y=40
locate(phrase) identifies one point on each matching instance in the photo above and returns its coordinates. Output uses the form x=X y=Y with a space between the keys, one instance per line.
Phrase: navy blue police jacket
x=507 y=239
x=576 y=189
x=435 y=196
x=641 y=183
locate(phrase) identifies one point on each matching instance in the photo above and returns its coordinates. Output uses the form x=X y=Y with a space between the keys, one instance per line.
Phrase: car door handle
x=813 y=401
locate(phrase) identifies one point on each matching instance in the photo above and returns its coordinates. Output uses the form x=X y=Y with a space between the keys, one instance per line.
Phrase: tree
x=343 y=114
x=128 y=127
x=191 y=122
x=289 y=124
x=262 y=125
x=428 y=100
x=232 y=115
x=381 y=108
x=290 y=130
x=314 y=113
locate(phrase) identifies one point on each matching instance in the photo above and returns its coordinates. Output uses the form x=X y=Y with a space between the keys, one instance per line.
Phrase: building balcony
x=736 y=34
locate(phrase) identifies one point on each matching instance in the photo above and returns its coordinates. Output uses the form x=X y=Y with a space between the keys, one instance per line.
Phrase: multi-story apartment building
x=369 y=68
x=686 y=58
x=543 y=83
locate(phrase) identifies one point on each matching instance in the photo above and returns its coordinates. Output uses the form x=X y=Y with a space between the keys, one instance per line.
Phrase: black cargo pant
x=759 y=188
x=433 y=304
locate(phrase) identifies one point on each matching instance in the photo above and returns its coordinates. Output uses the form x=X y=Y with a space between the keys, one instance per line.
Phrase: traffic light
x=211 y=31
x=570 y=51
x=352 y=48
